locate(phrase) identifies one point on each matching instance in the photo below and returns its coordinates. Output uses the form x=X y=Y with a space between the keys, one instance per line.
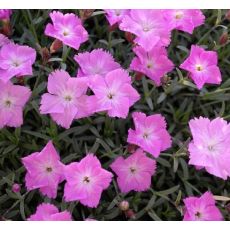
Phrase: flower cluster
x=101 y=85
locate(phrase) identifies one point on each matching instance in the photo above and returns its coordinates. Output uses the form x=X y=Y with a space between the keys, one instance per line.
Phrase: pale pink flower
x=134 y=172
x=67 y=28
x=16 y=60
x=201 y=208
x=154 y=63
x=66 y=99
x=12 y=101
x=98 y=61
x=44 y=170
x=149 y=26
x=49 y=212
x=210 y=145
x=86 y=180
x=5 y=14
x=115 y=16
x=184 y=20
x=202 y=66
x=3 y=40
x=150 y=133
x=114 y=93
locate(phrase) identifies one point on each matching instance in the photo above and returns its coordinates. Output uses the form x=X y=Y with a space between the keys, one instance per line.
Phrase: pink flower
x=202 y=66
x=154 y=63
x=201 y=208
x=16 y=188
x=5 y=14
x=48 y=212
x=115 y=16
x=114 y=93
x=16 y=60
x=185 y=20
x=67 y=28
x=210 y=145
x=150 y=133
x=44 y=170
x=66 y=100
x=134 y=172
x=97 y=61
x=3 y=40
x=149 y=26
x=12 y=101
x=86 y=180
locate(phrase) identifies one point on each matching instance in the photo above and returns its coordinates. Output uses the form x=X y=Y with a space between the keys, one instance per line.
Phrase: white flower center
x=199 y=67
x=179 y=15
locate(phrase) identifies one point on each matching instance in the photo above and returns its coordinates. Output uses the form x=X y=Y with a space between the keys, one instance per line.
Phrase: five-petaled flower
x=113 y=93
x=210 y=148
x=49 y=212
x=12 y=101
x=202 y=66
x=134 y=172
x=201 y=208
x=44 y=170
x=16 y=60
x=150 y=133
x=86 y=180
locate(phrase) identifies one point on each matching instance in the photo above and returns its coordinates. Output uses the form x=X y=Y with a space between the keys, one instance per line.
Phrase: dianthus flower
x=210 y=147
x=67 y=28
x=5 y=14
x=202 y=66
x=12 y=101
x=154 y=63
x=16 y=60
x=134 y=172
x=3 y=40
x=97 y=61
x=115 y=16
x=149 y=26
x=44 y=171
x=201 y=208
x=184 y=20
x=49 y=212
x=66 y=99
x=114 y=93
x=150 y=133
x=86 y=180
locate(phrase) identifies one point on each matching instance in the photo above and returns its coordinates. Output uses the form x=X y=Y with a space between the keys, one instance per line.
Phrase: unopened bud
x=129 y=37
x=55 y=46
x=84 y=14
x=131 y=148
x=6 y=28
x=227 y=15
x=45 y=55
x=16 y=188
x=124 y=205
x=138 y=76
x=130 y=214
x=223 y=38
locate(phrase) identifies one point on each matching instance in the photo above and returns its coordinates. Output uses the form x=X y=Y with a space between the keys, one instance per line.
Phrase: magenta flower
x=134 y=172
x=3 y=40
x=184 y=20
x=12 y=101
x=44 y=170
x=114 y=93
x=202 y=66
x=86 y=180
x=97 y=61
x=210 y=148
x=16 y=60
x=154 y=63
x=149 y=26
x=150 y=133
x=67 y=28
x=115 y=16
x=201 y=208
x=5 y=14
x=66 y=99
x=49 y=212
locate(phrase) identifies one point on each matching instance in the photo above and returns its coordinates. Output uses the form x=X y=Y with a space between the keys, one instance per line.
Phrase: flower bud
x=124 y=205
x=84 y=14
x=45 y=55
x=131 y=148
x=223 y=38
x=16 y=188
x=129 y=37
x=130 y=214
x=55 y=46
x=138 y=76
